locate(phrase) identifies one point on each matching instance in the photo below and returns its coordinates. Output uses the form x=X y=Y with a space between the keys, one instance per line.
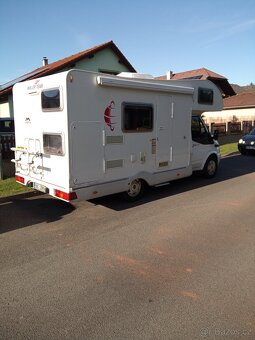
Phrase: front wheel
x=210 y=167
x=136 y=190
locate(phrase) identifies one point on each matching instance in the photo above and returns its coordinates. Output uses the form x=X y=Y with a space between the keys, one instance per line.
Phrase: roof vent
x=45 y=61
x=135 y=75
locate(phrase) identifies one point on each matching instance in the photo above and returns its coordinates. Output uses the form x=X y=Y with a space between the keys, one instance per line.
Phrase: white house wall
x=105 y=60
x=5 y=110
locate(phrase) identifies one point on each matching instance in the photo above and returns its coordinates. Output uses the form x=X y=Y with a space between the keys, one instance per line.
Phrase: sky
x=155 y=36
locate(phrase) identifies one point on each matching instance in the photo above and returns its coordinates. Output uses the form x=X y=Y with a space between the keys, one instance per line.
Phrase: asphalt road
x=180 y=264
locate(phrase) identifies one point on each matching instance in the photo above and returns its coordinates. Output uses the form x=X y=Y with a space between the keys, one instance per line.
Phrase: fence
x=231 y=132
x=7 y=168
x=231 y=128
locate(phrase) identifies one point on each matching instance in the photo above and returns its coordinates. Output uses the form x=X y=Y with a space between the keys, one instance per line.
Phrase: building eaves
x=201 y=73
x=70 y=61
x=67 y=62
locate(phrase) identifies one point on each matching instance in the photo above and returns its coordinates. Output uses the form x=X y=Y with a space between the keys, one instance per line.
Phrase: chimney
x=45 y=61
x=169 y=75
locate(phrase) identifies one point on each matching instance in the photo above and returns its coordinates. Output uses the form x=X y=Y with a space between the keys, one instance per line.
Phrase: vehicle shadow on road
x=20 y=213
x=230 y=167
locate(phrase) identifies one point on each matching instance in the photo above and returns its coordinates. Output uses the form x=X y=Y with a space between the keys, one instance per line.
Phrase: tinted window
x=199 y=131
x=52 y=144
x=51 y=99
x=137 y=117
x=205 y=96
x=197 y=126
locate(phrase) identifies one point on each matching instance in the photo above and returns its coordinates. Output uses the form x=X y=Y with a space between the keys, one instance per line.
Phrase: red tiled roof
x=201 y=73
x=68 y=62
x=161 y=78
x=240 y=100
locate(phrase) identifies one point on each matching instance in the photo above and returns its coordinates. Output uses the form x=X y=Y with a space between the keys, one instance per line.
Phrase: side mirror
x=215 y=134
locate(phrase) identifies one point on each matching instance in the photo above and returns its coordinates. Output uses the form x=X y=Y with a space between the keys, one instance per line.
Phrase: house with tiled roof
x=238 y=114
x=238 y=111
x=106 y=58
x=240 y=101
x=202 y=73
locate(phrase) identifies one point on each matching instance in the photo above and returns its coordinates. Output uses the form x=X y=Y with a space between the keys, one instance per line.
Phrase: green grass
x=9 y=187
x=227 y=149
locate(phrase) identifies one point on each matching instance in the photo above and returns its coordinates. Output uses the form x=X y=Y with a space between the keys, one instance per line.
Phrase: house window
x=51 y=100
x=205 y=96
x=137 y=117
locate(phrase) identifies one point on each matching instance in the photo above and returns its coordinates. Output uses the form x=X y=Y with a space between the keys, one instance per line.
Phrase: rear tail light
x=20 y=179
x=65 y=196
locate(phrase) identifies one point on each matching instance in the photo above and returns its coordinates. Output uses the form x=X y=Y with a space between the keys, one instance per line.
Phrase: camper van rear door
x=87 y=152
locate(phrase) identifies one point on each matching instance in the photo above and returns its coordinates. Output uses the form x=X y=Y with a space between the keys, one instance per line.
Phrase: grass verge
x=9 y=187
x=227 y=149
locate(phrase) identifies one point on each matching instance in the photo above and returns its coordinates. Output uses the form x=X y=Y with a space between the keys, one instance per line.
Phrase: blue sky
x=155 y=36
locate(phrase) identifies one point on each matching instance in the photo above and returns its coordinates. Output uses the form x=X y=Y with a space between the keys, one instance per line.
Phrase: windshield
x=252 y=132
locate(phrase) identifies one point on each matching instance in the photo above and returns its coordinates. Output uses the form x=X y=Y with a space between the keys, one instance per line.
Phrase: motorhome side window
x=51 y=99
x=53 y=144
x=137 y=117
x=205 y=96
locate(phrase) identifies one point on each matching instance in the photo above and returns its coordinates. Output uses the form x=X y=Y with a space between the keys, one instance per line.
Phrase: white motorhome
x=82 y=135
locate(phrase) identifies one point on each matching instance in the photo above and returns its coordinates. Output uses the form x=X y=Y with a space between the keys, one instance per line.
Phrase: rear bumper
x=65 y=194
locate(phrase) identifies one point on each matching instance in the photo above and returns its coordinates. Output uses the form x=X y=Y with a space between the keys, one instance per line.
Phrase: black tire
x=136 y=190
x=211 y=167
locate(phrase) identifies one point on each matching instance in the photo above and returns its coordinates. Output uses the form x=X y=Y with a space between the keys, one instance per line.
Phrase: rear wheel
x=211 y=167
x=136 y=190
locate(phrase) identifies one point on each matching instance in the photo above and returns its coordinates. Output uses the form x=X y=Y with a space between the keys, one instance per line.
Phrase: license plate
x=250 y=147
x=40 y=187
